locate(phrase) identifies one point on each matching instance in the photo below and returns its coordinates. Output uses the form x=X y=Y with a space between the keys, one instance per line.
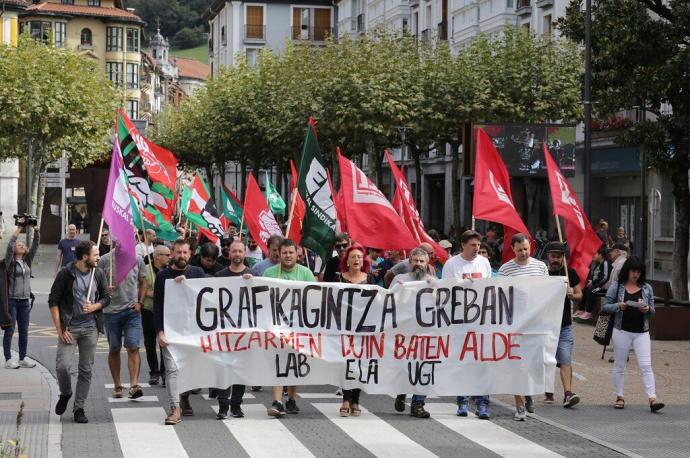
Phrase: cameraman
x=18 y=266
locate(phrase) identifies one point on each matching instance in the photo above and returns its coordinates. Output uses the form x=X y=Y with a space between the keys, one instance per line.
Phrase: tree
x=641 y=58
x=59 y=102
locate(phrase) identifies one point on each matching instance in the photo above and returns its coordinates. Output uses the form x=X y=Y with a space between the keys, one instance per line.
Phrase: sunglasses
x=342 y=246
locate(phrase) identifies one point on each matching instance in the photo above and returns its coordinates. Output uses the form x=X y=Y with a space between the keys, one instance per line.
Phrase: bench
x=672 y=318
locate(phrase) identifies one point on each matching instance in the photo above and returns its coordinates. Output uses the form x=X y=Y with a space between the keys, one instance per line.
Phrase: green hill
x=199 y=53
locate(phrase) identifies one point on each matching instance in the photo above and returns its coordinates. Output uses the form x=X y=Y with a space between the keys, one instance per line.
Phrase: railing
x=254 y=32
x=443 y=30
x=524 y=4
x=311 y=33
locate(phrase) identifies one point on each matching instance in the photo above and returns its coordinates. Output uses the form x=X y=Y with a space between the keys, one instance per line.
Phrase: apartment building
x=240 y=30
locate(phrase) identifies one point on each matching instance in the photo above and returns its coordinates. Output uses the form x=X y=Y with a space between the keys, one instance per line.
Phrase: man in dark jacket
x=78 y=294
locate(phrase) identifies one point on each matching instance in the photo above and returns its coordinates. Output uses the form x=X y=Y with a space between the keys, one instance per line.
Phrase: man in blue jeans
x=123 y=319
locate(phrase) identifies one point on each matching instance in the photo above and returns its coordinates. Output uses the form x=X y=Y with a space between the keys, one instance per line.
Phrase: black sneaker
x=418 y=411
x=222 y=413
x=529 y=404
x=153 y=380
x=570 y=400
x=80 y=416
x=61 y=405
x=276 y=410
x=291 y=406
x=399 y=404
x=236 y=411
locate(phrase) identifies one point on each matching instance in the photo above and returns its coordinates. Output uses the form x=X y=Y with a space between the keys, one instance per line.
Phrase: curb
x=568 y=429
x=54 y=439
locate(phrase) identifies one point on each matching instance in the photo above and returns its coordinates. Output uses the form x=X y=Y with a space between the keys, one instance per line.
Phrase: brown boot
x=186 y=406
x=175 y=416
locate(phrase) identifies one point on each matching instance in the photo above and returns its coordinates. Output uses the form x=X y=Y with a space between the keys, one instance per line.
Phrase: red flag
x=583 y=242
x=493 y=200
x=371 y=219
x=297 y=216
x=403 y=202
x=340 y=218
x=258 y=217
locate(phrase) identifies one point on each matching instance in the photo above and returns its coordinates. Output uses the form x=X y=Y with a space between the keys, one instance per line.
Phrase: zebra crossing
x=141 y=432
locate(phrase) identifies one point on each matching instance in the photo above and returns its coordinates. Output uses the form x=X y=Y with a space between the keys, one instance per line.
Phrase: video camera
x=29 y=220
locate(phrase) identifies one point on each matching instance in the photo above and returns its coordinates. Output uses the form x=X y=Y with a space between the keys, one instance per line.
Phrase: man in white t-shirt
x=469 y=265
x=523 y=265
x=253 y=250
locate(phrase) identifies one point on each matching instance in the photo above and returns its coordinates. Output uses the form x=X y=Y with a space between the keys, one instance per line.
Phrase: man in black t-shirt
x=555 y=252
x=332 y=270
x=208 y=259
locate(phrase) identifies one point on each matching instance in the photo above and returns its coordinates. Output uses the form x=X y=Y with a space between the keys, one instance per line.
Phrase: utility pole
x=29 y=172
x=588 y=110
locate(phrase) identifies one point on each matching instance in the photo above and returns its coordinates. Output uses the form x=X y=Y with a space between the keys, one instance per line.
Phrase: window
x=86 y=37
x=254 y=17
x=133 y=109
x=67 y=2
x=132 y=40
x=114 y=70
x=223 y=38
x=113 y=39
x=40 y=30
x=93 y=2
x=252 y=56
x=60 y=34
x=509 y=3
x=548 y=26
x=132 y=76
x=300 y=24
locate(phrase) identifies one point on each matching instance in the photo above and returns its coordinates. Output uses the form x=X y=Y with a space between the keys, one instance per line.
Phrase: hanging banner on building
x=488 y=336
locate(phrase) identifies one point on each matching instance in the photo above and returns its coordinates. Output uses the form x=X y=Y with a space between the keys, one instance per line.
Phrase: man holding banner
x=287 y=269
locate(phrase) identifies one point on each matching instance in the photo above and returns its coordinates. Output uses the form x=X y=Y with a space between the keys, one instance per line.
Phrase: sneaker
x=257 y=388
x=276 y=410
x=222 y=412
x=570 y=400
x=548 y=398
x=418 y=411
x=482 y=412
x=61 y=405
x=26 y=364
x=186 y=406
x=80 y=416
x=11 y=365
x=153 y=380
x=236 y=411
x=118 y=391
x=520 y=414
x=291 y=407
x=586 y=316
x=463 y=409
x=529 y=404
x=399 y=404
x=135 y=392
x=174 y=417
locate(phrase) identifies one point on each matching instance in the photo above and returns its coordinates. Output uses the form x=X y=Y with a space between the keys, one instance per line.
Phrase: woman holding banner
x=630 y=300
x=354 y=266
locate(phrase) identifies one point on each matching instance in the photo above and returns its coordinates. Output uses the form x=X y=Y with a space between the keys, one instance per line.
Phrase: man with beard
x=522 y=265
x=224 y=258
x=405 y=266
x=178 y=270
x=555 y=252
x=208 y=259
x=236 y=268
x=78 y=320
x=469 y=265
x=287 y=269
x=253 y=252
x=420 y=271
x=332 y=271
x=161 y=259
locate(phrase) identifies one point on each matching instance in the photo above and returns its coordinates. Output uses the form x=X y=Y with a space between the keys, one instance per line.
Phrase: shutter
x=296 y=22
x=255 y=21
x=322 y=23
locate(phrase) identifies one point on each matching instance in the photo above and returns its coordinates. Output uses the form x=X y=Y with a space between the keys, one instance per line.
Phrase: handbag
x=604 y=327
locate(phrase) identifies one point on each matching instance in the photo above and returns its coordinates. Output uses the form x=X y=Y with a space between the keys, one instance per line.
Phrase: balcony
x=361 y=26
x=524 y=7
x=443 y=30
x=311 y=33
x=425 y=35
x=544 y=3
x=255 y=33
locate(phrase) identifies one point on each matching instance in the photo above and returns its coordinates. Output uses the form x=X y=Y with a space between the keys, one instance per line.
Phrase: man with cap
x=555 y=255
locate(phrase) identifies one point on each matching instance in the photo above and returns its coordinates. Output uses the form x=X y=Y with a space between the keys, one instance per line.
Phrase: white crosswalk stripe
x=110 y=386
x=141 y=433
x=253 y=430
x=374 y=434
x=319 y=396
x=487 y=434
x=126 y=399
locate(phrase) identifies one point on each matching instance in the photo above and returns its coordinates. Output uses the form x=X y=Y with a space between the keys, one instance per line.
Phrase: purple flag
x=117 y=213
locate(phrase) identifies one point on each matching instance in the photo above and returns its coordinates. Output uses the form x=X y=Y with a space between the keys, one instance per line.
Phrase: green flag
x=153 y=219
x=318 y=227
x=275 y=201
x=231 y=206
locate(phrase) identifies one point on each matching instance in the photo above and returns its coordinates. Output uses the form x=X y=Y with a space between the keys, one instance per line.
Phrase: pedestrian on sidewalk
x=179 y=270
x=123 y=321
x=631 y=300
x=161 y=259
x=18 y=261
x=78 y=319
x=67 y=248
x=598 y=277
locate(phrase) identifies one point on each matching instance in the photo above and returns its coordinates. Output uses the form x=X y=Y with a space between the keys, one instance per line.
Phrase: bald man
x=66 y=248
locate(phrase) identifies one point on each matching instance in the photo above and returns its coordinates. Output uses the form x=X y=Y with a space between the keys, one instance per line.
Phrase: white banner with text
x=447 y=337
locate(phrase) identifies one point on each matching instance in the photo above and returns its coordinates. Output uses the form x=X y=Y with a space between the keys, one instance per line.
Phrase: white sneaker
x=11 y=365
x=26 y=363
x=520 y=414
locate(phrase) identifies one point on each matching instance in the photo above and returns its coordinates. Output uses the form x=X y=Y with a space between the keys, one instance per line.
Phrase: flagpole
x=93 y=269
x=291 y=214
x=474 y=222
x=241 y=224
x=414 y=228
x=110 y=262
x=560 y=238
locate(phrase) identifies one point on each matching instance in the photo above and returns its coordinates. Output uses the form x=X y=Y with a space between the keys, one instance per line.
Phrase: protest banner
x=487 y=336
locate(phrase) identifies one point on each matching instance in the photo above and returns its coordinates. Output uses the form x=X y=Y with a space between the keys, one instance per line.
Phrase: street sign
x=54 y=175
x=52 y=183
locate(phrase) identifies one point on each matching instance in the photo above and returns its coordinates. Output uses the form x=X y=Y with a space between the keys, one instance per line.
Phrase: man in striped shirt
x=522 y=265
